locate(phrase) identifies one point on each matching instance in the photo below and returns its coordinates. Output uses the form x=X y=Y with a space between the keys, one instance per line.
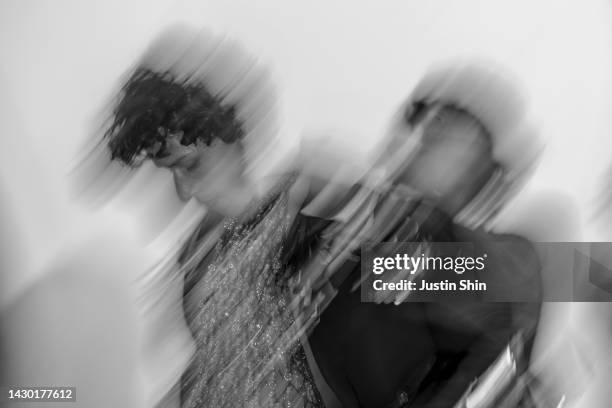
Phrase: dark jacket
x=421 y=354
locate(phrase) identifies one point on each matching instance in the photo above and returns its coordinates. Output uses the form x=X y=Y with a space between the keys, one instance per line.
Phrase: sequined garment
x=236 y=303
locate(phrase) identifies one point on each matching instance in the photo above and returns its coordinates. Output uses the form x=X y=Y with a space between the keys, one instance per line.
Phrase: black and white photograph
x=306 y=204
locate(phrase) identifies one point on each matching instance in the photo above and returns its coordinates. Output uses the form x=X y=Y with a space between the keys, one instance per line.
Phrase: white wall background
x=339 y=64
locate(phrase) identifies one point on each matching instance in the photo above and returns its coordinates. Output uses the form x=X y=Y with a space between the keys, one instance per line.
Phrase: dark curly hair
x=150 y=100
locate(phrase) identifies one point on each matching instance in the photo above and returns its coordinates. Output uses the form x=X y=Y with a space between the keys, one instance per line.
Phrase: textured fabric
x=237 y=305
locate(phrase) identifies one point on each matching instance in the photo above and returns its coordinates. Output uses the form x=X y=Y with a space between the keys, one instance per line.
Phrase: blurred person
x=456 y=153
x=202 y=108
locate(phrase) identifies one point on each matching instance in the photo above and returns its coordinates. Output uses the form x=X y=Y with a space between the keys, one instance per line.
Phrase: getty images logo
x=414 y=264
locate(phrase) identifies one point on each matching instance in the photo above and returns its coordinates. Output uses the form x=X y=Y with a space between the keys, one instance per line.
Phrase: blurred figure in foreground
x=457 y=151
x=203 y=109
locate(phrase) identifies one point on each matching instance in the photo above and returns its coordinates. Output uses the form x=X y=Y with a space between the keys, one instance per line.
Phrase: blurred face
x=454 y=158
x=212 y=174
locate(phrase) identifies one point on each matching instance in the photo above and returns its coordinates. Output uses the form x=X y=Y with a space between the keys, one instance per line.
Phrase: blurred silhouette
x=457 y=151
x=203 y=108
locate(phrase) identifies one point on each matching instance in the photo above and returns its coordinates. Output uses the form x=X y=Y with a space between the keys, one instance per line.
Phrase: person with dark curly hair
x=201 y=108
